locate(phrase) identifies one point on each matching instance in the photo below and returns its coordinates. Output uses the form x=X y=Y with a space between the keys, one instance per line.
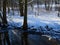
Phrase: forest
x=29 y=22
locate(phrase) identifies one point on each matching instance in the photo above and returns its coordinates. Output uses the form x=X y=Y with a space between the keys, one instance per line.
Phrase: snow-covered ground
x=44 y=18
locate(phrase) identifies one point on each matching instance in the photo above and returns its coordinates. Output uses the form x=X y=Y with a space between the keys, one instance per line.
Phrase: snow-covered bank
x=51 y=19
x=36 y=21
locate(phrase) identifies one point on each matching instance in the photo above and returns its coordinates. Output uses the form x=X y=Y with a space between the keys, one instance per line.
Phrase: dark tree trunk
x=25 y=38
x=38 y=6
x=4 y=13
x=0 y=39
x=8 y=5
x=8 y=9
x=0 y=5
x=56 y=8
x=6 y=38
x=25 y=17
x=25 y=34
x=0 y=25
x=47 y=5
x=21 y=7
x=0 y=10
x=6 y=35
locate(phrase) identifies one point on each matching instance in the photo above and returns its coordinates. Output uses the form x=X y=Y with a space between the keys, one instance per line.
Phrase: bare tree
x=47 y=4
x=4 y=13
x=25 y=34
x=25 y=16
x=21 y=7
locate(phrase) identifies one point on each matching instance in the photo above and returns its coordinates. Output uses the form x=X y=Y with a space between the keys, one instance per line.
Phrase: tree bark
x=4 y=13
x=0 y=39
x=25 y=34
x=25 y=17
x=6 y=35
x=21 y=7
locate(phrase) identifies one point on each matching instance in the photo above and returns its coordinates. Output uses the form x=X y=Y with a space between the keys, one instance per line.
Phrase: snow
x=48 y=37
x=44 y=18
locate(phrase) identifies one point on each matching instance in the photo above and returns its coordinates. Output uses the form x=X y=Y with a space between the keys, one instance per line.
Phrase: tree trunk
x=25 y=17
x=0 y=5
x=0 y=10
x=6 y=35
x=8 y=5
x=0 y=39
x=25 y=38
x=38 y=7
x=4 y=13
x=25 y=34
x=47 y=5
x=21 y=7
